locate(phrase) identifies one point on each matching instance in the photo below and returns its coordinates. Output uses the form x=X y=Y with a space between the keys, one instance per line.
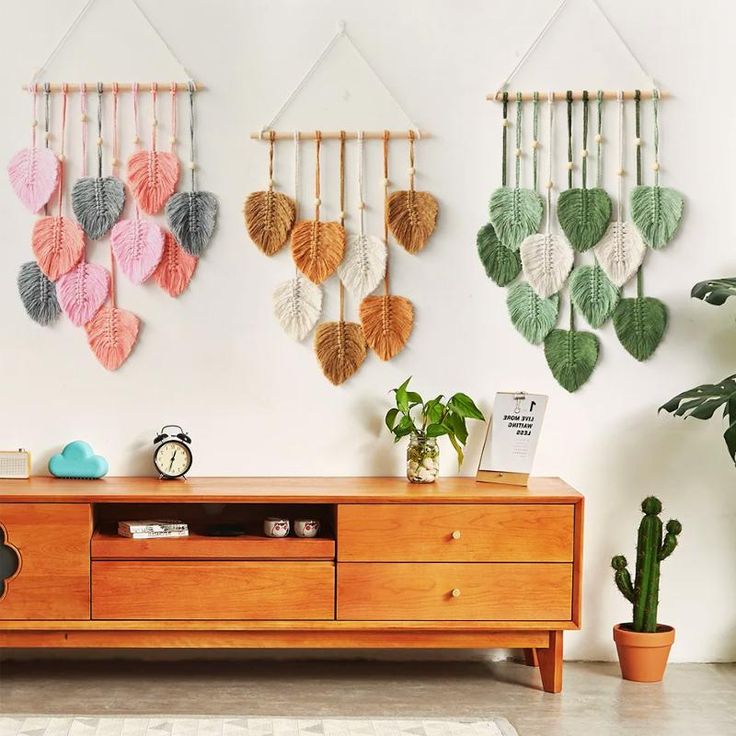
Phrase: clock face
x=172 y=459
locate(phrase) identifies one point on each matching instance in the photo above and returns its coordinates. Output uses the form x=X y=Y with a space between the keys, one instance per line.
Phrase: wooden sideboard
x=455 y=564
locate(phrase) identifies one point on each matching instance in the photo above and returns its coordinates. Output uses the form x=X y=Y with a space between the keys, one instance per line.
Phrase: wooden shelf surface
x=107 y=545
x=284 y=490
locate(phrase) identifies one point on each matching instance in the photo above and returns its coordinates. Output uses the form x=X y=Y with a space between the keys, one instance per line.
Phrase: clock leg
x=550 y=663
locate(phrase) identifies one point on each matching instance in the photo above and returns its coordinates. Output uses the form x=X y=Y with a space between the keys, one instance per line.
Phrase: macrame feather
x=533 y=317
x=571 y=357
x=112 y=334
x=584 y=215
x=97 y=203
x=192 y=217
x=152 y=176
x=364 y=264
x=515 y=214
x=175 y=268
x=297 y=304
x=38 y=294
x=138 y=246
x=34 y=175
x=412 y=217
x=82 y=291
x=593 y=294
x=546 y=259
x=501 y=264
x=269 y=217
x=620 y=252
x=657 y=212
x=58 y=244
x=317 y=248
x=387 y=323
x=640 y=325
x=340 y=349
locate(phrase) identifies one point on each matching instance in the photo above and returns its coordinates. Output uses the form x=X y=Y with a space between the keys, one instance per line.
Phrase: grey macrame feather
x=533 y=317
x=38 y=294
x=192 y=217
x=593 y=294
x=640 y=325
x=500 y=263
x=657 y=212
x=571 y=357
x=97 y=203
x=515 y=213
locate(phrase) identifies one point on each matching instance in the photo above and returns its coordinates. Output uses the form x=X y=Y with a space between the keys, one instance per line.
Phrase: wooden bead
x=361 y=205
x=192 y=165
x=317 y=201
x=655 y=166
x=598 y=138
x=535 y=144
x=637 y=141
x=550 y=184
x=99 y=141
x=570 y=165
x=172 y=139
x=584 y=153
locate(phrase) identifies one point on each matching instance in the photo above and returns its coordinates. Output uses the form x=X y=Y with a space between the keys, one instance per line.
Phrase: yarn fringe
x=387 y=323
x=340 y=348
x=82 y=291
x=58 y=244
x=38 y=294
x=192 y=218
x=138 y=246
x=152 y=176
x=97 y=203
x=269 y=217
x=297 y=304
x=34 y=175
x=364 y=264
x=175 y=268
x=111 y=335
x=412 y=218
x=317 y=248
x=546 y=260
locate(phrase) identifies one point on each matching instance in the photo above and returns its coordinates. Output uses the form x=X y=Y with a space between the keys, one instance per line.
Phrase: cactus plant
x=651 y=550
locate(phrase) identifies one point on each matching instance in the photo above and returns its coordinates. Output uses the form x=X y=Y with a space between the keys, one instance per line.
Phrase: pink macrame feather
x=138 y=246
x=111 y=334
x=82 y=291
x=34 y=174
x=58 y=244
x=152 y=176
x=176 y=267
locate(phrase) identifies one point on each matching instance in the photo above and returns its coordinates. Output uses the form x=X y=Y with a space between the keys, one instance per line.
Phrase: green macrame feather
x=657 y=213
x=593 y=294
x=515 y=213
x=571 y=356
x=501 y=263
x=533 y=317
x=584 y=215
x=640 y=325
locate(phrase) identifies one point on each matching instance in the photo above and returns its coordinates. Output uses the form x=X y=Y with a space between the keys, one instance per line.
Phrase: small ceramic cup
x=306 y=527
x=274 y=526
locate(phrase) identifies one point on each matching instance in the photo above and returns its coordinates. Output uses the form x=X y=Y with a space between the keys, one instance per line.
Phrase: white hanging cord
x=543 y=32
x=361 y=203
x=620 y=172
x=341 y=33
x=297 y=174
x=550 y=146
x=78 y=19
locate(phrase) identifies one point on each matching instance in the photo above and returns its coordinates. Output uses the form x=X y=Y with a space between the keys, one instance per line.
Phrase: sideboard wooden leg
x=530 y=658
x=550 y=663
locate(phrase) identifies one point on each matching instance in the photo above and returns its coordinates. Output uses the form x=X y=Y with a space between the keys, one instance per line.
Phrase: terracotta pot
x=643 y=656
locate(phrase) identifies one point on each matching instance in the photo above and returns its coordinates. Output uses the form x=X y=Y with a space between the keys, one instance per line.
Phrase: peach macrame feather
x=176 y=267
x=58 y=244
x=111 y=334
x=82 y=291
x=34 y=175
x=152 y=176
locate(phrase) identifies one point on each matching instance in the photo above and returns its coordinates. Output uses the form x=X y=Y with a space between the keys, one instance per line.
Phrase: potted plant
x=644 y=645
x=423 y=422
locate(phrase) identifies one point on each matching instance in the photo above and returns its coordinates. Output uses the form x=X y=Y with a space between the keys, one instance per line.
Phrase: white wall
x=255 y=403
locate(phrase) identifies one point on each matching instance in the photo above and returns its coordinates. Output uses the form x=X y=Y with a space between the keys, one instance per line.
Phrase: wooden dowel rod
x=310 y=135
x=122 y=86
x=561 y=96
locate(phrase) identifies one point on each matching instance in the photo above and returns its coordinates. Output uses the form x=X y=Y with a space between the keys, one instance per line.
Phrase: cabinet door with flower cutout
x=45 y=561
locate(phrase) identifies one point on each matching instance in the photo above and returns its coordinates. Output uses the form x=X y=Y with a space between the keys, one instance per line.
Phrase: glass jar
x=422 y=459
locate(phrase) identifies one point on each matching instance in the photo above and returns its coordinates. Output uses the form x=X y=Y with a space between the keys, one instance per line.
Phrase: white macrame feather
x=620 y=252
x=297 y=304
x=546 y=260
x=364 y=264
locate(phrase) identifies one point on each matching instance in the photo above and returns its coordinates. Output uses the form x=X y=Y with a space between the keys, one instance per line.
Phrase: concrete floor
x=694 y=700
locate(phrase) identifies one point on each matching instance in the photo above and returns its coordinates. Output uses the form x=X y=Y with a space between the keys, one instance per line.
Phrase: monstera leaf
x=592 y=292
x=501 y=263
x=657 y=212
x=714 y=291
x=583 y=215
x=515 y=213
x=640 y=325
x=571 y=356
x=533 y=317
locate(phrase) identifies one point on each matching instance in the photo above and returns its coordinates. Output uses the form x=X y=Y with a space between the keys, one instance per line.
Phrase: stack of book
x=152 y=529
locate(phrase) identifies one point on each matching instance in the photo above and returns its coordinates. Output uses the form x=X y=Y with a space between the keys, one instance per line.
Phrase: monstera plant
x=703 y=401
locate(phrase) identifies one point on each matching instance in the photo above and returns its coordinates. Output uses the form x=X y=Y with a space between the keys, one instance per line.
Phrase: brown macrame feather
x=387 y=323
x=340 y=349
x=317 y=248
x=412 y=217
x=269 y=217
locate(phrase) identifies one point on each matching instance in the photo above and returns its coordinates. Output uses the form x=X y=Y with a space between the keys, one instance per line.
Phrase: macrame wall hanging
x=580 y=244
x=62 y=278
x=322 y=248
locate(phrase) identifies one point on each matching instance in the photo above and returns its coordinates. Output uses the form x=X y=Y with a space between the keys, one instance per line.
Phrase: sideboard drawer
x=213 y=590
x=454 y=591
x=455 y=533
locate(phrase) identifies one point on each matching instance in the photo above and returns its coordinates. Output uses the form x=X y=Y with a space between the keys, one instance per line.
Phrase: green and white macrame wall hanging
x=586 y=243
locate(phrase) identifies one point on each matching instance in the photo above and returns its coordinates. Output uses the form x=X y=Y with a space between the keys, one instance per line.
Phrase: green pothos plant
x=434 y=418
x=703 y=401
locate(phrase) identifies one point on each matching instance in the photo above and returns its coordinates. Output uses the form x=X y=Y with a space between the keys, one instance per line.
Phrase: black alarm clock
x=172 y=456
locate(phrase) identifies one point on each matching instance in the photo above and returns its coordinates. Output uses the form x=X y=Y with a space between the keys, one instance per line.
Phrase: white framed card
x=512 y=438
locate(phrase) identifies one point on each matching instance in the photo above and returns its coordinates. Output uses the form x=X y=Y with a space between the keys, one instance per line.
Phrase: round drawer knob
x=456 y=534
x=456 y=592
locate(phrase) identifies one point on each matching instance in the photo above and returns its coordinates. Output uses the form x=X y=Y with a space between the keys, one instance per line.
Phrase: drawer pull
x=456 y=534
x=456 y=592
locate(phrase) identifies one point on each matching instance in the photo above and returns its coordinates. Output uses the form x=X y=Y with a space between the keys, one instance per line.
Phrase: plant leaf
x=640 y=325
x=363 y=265
x=192 y=217
x=412 y=217
x=583 y=215
x=436 y=430
x=38 y=294
x=464 y=406
x=515 y=214
x=297 y=304
x=97 y=203
x=391 y=415
x=714 y=291
x=34 y=174
x=269 y=217
x=546 y=260
x=571 y=357
x=620 y=252
x=531 y=316
x=456 y=426
x=657 y=212
x=501 y=263
x=593 y=294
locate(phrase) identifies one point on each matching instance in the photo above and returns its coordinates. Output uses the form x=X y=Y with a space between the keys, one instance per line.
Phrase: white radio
x=15 y=464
